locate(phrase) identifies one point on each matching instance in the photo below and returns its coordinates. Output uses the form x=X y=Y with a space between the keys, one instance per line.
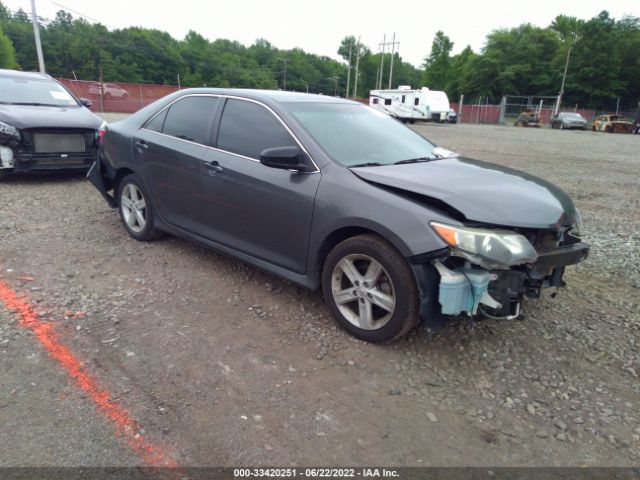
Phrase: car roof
x=278 y=96
x=19 y=74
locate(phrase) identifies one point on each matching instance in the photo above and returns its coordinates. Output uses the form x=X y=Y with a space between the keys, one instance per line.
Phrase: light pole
x=564 y=78
x=36 y=34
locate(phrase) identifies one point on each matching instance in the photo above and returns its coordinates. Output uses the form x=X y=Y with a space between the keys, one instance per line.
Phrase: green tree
x=438 y=64
x=7 y=52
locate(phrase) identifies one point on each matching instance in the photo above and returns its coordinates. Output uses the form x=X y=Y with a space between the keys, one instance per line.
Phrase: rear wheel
x=136 y=211
x=370 y=289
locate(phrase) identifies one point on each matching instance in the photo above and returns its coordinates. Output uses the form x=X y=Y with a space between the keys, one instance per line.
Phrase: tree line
x=604 y=60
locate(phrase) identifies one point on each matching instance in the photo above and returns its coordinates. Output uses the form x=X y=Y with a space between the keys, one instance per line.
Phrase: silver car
x=568 y=120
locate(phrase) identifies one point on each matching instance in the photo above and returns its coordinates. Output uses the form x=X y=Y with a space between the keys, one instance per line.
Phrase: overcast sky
x=318 y=27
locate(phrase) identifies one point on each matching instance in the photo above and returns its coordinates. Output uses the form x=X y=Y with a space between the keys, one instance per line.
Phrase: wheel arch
x=119 y=175
x=342 y=233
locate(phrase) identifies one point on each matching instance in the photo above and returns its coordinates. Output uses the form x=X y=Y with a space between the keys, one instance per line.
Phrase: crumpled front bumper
x=469 y=289
x=48 y=162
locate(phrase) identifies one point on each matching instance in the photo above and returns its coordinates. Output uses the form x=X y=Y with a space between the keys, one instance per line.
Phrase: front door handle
x=213 y=167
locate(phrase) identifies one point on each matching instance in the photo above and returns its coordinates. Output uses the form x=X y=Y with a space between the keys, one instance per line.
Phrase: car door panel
x=262 y=211
x=171 y=169
x=170 y=151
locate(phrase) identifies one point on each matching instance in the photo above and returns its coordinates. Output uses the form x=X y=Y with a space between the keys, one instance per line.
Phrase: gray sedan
x=568 y=120
x=332 y=194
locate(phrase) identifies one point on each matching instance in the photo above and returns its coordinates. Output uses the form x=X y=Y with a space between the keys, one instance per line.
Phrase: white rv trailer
x=410 y=105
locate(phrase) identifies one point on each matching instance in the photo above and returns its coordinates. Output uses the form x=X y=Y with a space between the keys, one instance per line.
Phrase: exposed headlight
x=488 y=248
x=9 y=130
x=576 y=226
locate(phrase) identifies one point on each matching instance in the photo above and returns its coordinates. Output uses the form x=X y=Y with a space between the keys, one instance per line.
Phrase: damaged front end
x=46 y=149
x=487 y=272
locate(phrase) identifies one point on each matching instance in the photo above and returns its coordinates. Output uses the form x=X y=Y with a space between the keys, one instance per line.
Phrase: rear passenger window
x=247 y=129
x=190 y=119
x=157 y=122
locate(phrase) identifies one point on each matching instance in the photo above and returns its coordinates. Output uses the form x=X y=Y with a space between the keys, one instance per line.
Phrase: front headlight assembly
x=487 y=248
x=576 y=226
x=9 y=130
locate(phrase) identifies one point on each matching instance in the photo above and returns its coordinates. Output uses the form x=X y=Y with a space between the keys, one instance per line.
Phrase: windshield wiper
x=366 y=164
x=415 y=160
x=36 y=104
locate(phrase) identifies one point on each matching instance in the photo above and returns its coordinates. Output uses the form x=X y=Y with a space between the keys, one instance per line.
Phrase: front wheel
x=370 y=289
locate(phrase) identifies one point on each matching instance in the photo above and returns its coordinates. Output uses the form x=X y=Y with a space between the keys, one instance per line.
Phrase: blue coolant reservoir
x=461 y=289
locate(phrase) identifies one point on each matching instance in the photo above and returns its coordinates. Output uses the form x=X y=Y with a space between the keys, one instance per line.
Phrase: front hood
x=31 y=116
x=481 y=191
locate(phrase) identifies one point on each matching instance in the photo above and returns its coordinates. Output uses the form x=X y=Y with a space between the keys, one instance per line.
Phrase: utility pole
x=284 y=83
x=346 y=95
x=36 y=34
x=564 y=77
x=384 y=44
x=393 y=54
x=355 y=82
x=335 y=90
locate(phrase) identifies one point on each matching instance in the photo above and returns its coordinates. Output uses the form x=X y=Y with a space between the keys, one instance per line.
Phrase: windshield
x=572 y=116
x=29 y=91
x=354 y=134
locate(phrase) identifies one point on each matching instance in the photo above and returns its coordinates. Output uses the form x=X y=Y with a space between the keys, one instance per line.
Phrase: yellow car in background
x=612 y=124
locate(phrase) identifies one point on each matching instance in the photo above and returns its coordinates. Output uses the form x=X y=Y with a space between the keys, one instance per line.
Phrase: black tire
x=148 y=232
x=403 y=286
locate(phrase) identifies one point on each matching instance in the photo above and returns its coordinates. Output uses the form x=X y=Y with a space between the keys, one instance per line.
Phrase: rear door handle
x=213 y=167
x=141 y=145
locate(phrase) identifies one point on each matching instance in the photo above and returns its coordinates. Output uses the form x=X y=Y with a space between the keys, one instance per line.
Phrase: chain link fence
x=117 y=97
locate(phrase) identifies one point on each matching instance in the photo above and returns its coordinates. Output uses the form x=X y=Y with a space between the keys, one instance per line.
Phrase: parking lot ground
x=221 y=364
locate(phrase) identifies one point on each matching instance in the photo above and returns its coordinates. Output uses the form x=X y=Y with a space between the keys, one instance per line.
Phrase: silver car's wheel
x=363 y=291
x=133 y=207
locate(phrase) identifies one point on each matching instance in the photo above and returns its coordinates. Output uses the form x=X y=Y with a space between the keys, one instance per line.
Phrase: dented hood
x=481 y=191
x=32 y=116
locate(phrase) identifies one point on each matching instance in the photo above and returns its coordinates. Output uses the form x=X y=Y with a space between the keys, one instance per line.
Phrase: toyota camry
x=332 y=194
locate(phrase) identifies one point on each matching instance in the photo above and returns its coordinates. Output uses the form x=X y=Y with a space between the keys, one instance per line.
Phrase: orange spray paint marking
x=126 y=426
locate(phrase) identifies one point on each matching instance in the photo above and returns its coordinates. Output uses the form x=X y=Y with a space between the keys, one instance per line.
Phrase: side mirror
x=85 y=102
x=287 y=158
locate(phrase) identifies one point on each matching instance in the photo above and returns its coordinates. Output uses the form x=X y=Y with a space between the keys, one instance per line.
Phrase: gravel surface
x=227 y=365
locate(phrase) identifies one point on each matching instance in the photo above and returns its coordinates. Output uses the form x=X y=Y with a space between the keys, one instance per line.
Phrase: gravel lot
x=226 y=365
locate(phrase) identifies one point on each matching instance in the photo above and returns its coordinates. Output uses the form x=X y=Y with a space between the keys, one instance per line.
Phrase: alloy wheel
x=363 y=291
x=134 y=208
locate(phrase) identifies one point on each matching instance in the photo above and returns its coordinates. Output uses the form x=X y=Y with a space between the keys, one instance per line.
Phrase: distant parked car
x=452 y=117
x=568 y=120
x=528 y=118
x=43 y=127
x=111 y=91
x=612 y=124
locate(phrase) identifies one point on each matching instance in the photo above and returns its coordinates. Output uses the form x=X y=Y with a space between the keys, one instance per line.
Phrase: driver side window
x=247 y=129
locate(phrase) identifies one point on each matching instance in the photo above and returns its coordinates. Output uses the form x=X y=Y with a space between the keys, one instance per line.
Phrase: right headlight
x=488 y=248
x=9 y=130
x=576 y=226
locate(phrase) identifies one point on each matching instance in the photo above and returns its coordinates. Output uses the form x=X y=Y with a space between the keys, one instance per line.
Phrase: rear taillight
x=102 y=131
